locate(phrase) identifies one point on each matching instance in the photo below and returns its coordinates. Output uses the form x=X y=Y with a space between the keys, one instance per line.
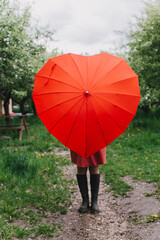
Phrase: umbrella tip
x=86 y=94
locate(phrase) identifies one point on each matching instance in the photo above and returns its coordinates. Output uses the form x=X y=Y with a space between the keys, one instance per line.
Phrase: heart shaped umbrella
x=86 y=101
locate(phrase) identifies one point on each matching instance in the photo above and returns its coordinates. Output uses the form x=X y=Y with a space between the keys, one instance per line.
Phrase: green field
x=136 y=152
x=32 y=186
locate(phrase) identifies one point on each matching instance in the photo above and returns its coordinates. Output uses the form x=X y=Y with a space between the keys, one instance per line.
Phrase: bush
x=18 y=164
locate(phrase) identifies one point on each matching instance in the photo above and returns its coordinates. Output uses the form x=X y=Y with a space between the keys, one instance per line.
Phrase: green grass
x=38 y=139
x=32 y=187
x=136 y=152
x=143 y=219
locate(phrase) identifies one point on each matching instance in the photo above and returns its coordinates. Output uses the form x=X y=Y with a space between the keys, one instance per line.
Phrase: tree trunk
x=6 y=107
x=33 y=108
x=22 y=105
x=146 y=109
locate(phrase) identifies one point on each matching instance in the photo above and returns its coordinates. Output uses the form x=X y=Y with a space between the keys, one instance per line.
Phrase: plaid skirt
x=94 y=160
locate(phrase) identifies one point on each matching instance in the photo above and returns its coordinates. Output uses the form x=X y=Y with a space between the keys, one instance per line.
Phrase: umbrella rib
x=67 y=73
x=52 y=79
x=108 y=72
x=99 y=123
x=74 y=123
x=112 y=118
x=65 y=115
x=58 y=105
x=121 y=80
x=77 y=68
x=124 y=94
x=52 y=69
x=41 y=94
x=96 y=69
x=86 y=124
x=115 y=105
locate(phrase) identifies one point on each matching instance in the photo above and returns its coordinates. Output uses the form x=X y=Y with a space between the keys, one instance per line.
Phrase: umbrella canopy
x=86 y=101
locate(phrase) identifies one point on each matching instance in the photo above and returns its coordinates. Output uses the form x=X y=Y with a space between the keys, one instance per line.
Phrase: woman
x=93 y=163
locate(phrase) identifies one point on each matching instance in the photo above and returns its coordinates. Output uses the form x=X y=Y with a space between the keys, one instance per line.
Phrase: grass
x=32 y=187
x=136 y=152
x=38 y=140
x=143 y=219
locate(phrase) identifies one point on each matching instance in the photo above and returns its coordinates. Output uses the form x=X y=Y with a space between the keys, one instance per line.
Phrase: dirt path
x=111 y=223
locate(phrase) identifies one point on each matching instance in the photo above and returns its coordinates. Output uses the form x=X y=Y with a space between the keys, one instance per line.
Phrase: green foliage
x=141 y=219
x=18 y=164
x=8 y=231
x=21 y=54
x=15 y=45
x=38 y=140
x=46 y=230
x=143 y=51
x=136 y=152
x=153 y=218
x=32 y=186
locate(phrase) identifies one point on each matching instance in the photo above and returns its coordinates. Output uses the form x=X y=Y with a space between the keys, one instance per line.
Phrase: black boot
x=83 y=187
x=94 y=181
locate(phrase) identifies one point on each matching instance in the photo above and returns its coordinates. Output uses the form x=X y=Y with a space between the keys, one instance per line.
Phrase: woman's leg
x=83 y=187
x=94 y=170
x=94 y=181
x=81 y=170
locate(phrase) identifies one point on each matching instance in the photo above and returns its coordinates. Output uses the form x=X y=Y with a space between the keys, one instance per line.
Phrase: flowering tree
x=21 y=55
x=143 y=51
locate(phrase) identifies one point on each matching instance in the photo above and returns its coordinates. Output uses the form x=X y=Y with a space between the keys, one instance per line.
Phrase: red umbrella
x=86 y=101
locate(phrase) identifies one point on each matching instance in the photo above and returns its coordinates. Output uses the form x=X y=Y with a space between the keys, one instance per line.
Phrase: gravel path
x=111 y=223
x=106 y=225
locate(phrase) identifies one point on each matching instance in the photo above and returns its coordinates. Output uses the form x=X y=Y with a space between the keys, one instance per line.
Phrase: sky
x=85 y=26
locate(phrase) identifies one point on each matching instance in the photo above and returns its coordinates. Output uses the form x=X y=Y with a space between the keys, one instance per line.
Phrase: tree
x=21 y=54
x=143 y=52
